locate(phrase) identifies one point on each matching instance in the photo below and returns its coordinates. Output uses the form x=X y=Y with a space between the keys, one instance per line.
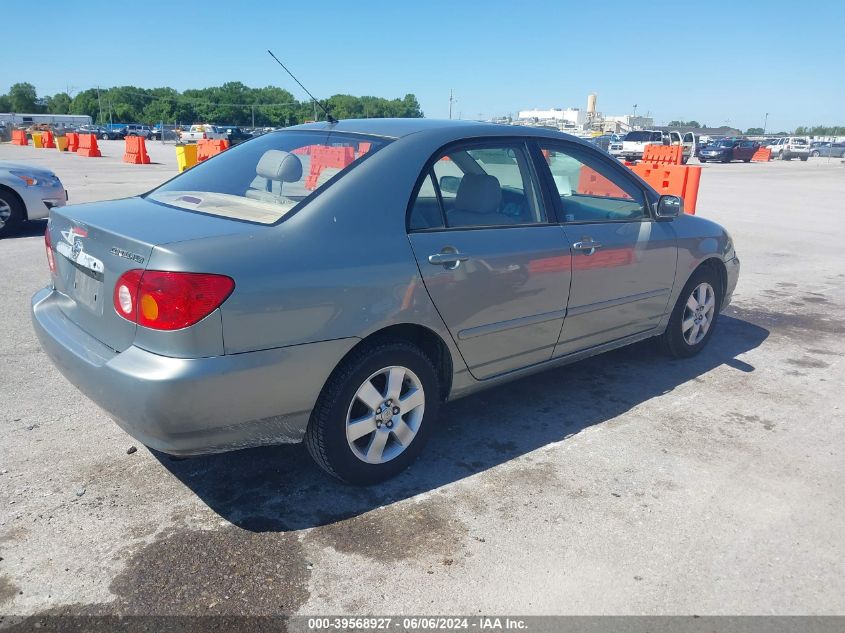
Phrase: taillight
x=164 y=300
x=48 y=245
x=204 y=135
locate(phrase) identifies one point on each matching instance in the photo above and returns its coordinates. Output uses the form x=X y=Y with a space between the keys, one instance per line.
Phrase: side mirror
x=669 y=207
x=449 y=184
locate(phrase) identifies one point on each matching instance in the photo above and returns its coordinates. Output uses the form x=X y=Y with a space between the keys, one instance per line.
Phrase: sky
x=720 y=63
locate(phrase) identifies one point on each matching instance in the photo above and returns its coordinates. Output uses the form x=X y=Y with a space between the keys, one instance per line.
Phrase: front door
x=623 y=261
x=496 y=269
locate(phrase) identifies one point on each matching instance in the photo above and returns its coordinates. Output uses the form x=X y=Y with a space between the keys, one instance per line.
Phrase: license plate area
x=86 y=288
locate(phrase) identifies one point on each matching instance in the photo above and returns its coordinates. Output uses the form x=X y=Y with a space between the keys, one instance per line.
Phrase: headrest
x=278 y=165
x=479 y=193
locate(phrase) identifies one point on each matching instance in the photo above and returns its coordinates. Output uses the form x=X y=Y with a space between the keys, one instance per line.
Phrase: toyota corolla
x=335 y=283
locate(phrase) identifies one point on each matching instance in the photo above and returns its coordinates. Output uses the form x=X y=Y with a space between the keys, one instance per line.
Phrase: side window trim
x=612 y=163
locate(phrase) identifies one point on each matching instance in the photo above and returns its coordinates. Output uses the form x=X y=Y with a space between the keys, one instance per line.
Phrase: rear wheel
x=803 y=158
x=374 y=413
x=746 y=160
x=104 y=137
x=11 y=212
x=694 y=316
x=815 y=154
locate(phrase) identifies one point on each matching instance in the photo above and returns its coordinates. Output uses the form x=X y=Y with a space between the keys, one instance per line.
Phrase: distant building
x=627 y=122
x=61 y=120
x=571 y=117
x=708 y=132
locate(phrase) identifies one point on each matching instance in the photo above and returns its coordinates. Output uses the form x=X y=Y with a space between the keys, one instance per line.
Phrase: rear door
x=495 y=266
x=623 y=262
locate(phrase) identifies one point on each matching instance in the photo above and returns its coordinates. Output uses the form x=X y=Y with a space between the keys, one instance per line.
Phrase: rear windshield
x=264 y=179
x=799 y=141
x=638 y=136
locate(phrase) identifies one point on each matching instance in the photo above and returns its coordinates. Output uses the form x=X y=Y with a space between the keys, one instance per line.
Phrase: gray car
x=27 y=193
x=831 y=150
x=336 y=283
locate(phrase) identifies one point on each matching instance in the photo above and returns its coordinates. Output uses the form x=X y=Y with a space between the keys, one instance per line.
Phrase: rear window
x=799 y=141
x=638 y=136
x=266 y=178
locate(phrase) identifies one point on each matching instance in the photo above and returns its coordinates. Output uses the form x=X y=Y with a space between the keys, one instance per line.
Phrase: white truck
x=633 y=145
x=790 y=147
x=200 y=132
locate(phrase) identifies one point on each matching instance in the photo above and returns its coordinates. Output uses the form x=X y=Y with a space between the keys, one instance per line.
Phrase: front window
x=266 y=178
x=590 y=190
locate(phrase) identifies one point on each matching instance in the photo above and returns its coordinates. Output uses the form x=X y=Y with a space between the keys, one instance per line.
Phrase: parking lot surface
x=625 y=484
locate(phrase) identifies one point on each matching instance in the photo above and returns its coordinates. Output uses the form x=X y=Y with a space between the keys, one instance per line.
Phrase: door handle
x=589 y=246
x=448 y=259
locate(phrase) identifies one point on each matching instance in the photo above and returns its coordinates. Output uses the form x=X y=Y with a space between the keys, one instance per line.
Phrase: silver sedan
x=337 y=283
x=27 y=193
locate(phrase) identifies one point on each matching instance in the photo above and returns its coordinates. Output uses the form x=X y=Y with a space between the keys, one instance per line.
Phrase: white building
x=628 y=122
x=571 y=117
x=17 y=118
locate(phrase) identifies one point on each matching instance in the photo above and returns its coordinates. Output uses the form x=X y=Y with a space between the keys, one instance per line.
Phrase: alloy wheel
x=5 y=212
x=698 y=313
x=385 y=415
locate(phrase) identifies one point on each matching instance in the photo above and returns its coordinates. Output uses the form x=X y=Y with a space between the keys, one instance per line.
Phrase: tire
x=803 y=158
x=104 y=137
x=746 y=160
x=701 y=160
x=726 y=159
x=328 y=439
x=683 y=343
x=815 y=154
x=12 y=212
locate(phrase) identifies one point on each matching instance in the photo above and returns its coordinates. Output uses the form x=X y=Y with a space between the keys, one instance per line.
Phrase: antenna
x=329 y=117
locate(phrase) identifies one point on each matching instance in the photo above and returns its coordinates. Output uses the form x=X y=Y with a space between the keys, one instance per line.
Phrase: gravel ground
x=625 y=484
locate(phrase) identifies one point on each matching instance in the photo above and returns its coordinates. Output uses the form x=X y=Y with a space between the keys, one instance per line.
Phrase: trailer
x=17 y=119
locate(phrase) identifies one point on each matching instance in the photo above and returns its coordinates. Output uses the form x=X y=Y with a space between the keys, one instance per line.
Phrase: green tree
x=754 y=130
x=22 y=97
x=5 y=103
x=59 y=103
x=86 y=102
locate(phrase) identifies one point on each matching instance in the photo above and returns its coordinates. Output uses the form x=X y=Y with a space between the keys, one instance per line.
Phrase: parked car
x=136 y=129
x=234 y=134
x=729 y=149
x=834 y=150
x=102 y=133
x=27 y=193
x=434 y=259
x=790 y=147
x=615 y=146
x=203 y=131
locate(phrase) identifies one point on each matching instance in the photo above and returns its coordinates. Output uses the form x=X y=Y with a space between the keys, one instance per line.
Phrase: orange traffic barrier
x=136 y=151
x=72 y=141
x=323 y=157
x=88 y=146
x=592 y=183
x=663 y=154
x=47 y=140
x=673 y=180
x=206 y=148
x=19 y=137
x=762 y=155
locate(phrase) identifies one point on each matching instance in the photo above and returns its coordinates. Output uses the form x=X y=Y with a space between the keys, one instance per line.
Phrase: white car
x=790 y=147
x=199 y=132
x=27 y=193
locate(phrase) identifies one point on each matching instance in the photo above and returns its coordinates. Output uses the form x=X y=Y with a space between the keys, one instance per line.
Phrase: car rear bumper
x=186 y=406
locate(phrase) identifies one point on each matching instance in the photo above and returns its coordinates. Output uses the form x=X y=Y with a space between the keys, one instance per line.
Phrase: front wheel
x=815 y=154
x=374 y=413
x=105 y=137
x=694 y=316
x=11 y=212
x=803 y=158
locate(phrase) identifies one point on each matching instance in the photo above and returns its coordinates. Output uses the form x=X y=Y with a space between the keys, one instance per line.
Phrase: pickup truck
x=634 y=143
x=200 y=132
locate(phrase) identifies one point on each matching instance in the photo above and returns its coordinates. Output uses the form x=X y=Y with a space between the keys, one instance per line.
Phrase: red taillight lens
x=48 y=245
x=204 y=136
x=164 y=300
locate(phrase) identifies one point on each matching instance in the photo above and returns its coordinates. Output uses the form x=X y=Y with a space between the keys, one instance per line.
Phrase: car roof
x=456 y=129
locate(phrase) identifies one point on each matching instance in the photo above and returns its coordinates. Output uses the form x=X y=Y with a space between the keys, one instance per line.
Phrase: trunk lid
x=96 y=243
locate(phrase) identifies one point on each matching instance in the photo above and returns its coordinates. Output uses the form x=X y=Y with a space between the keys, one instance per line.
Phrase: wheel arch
x=17 y=197
x=718 y=266
x=426 y=339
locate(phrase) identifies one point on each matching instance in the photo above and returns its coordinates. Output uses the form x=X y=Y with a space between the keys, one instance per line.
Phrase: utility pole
x=253 y=116
x=765 y=122
x=99 y=107
x=451 y=101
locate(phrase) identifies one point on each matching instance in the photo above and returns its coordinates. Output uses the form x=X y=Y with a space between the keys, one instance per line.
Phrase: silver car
x=337 y=283
x=27 y=193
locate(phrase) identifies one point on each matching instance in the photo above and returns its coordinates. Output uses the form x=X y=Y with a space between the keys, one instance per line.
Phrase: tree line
x=233 y=103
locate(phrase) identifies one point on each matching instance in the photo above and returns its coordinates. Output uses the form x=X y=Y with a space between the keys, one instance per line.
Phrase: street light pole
x=765 y=122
